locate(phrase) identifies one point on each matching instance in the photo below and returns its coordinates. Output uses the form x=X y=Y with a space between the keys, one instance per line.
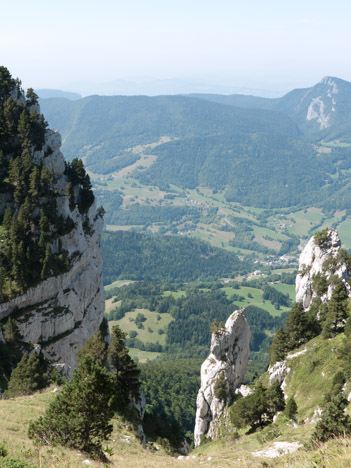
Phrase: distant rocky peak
x=331 y=82
x=321 y=262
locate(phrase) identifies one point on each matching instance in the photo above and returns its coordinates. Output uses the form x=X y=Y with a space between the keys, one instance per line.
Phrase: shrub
x=14 y=463
x=3 y=450
x=220 y=388
x=291 y=408
x=334 y=421
x=320 y=237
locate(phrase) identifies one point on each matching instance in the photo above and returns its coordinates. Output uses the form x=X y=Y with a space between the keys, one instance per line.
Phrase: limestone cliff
x=229 y=354
x=322 y=257
x=64 y=308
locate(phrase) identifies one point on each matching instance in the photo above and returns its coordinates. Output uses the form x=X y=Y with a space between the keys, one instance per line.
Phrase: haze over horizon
x=265 y=48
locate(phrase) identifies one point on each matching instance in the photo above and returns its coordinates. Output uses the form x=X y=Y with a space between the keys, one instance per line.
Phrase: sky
x=268 y=45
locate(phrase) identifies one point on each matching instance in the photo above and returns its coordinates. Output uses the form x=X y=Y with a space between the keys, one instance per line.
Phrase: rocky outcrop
x=230 y=348
x=61 y=312
x=323 y=259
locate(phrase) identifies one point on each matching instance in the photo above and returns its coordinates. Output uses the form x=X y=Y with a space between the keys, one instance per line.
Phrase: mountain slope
x=322 y=111
x=99 y=127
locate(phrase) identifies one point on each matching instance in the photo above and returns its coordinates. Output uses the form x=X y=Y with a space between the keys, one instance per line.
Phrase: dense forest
x=136 y=256
x=29 y=218
x=112 y=124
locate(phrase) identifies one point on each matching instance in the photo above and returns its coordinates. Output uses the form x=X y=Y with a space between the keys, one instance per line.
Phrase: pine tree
x=279 y=346
x=11 y=331
x=28 y=377
x=297 y=326
x=96 y=348
x=336 y=310
x=275 y=400
x=122 y=366
x=34 y=183
x=80 y=415
x=7 y=219
x=45 y=270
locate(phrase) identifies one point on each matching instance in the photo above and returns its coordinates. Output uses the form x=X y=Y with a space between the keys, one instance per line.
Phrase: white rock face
x=139 y=404
x=62 y=312
x=311 y=262
x=230 y=348
x=278 y=372
x=278 y=449
x=243 y=390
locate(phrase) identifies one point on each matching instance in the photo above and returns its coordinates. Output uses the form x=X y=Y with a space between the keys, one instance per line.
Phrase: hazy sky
x=253 y=43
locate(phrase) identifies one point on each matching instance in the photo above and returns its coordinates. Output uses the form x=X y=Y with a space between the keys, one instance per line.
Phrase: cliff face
x=229 y=354
x=322 y=257
x=66 y=307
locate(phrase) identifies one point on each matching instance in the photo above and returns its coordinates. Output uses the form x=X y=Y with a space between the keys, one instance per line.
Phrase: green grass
x=175 y=294
x=117 y=284
x=335 y=144
x=344 y=230
x=151 y=322
x=285 y=289
x=143 y=356
x=255 y=300
x=127 y=450
x=312 y=373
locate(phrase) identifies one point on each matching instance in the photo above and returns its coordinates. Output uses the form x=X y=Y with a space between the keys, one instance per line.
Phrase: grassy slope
x=16 y=413
x=310 y=377
x=151 y=322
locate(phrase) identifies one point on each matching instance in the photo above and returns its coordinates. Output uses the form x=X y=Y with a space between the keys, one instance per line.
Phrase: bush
x=258 y=408
x=334 y=421
x=291 y=408
x=3 y=450
x=320 y=237
x=14 y=463
x=220 y=388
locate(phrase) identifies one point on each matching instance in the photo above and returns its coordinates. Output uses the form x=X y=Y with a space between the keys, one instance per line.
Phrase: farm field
x=209 y=217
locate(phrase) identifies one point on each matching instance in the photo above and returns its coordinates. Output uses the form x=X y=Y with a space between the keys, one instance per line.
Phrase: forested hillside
x=137 y=256
x=271 y=153
x=100 y=128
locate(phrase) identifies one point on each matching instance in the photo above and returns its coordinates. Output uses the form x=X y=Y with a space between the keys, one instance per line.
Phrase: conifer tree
x=28 y=377
x=336 y=310
x=275 y=400
x=297 y=326
x=96 y=348
x=11 y=331
x=80 y=415
x=122 y=366
x=279 y=346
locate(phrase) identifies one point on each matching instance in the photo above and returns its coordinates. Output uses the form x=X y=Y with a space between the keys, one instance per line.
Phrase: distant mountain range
x=269 y=152
x=149 y=86
x=56 y=93
x=321 y=112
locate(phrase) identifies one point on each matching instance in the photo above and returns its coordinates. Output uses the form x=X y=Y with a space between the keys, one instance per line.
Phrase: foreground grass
x=127 y=451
